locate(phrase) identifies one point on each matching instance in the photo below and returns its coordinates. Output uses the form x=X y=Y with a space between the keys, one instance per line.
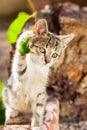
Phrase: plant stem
x=33 y=9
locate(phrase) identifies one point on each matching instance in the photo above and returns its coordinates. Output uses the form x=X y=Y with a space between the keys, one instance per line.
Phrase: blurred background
x=8 y=7
x=8 y=12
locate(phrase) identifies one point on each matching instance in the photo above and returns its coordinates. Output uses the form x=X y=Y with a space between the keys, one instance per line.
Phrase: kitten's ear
x=65 y=39
x=41 y=27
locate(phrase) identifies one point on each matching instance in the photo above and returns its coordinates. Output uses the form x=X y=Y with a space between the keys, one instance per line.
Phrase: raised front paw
x=10 y=113
x=23 y=40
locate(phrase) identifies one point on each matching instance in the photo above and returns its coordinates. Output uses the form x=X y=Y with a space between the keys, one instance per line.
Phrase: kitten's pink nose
x=47 y=59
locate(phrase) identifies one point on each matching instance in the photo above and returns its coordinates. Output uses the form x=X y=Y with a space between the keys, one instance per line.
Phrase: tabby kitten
x=26 y=87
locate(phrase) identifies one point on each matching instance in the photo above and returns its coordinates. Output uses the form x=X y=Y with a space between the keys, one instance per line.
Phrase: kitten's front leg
x=38 y=112
x=19 y=65
x=10 y=113
x=19 y=62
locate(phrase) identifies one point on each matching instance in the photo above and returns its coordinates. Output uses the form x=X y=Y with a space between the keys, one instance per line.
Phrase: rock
x=64 y=126
x=70 y=81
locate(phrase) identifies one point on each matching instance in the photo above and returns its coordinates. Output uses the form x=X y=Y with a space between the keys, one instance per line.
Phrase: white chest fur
x=33 y=83
x=37 y=75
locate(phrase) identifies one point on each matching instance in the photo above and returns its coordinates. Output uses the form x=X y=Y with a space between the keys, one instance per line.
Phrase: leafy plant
x=16 y=26
x=2 y=112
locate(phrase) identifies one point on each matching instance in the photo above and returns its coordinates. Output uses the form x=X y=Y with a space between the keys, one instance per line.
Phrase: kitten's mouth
x=46 y=62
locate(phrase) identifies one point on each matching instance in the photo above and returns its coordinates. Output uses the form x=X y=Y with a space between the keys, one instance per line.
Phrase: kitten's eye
x=54 y=55
x=42 y=50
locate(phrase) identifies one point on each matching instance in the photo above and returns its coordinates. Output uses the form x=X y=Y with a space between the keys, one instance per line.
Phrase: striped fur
x=26 y=88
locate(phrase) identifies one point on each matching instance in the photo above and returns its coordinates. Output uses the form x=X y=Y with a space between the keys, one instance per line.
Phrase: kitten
x=26 y=87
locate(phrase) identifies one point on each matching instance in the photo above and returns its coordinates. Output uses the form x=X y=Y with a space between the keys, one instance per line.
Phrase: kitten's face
x=46 y=47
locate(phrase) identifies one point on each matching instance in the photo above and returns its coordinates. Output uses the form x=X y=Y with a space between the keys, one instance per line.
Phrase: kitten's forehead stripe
x=49 y=39
x=53 y=42
x=41 y=39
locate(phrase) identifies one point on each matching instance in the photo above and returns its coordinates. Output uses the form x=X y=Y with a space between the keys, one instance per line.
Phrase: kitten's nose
x=47 y=59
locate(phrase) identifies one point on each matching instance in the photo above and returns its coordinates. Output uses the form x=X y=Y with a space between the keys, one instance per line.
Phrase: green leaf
x=24 y=49
x=16 y=26
x=2 y=111
x=1 y=88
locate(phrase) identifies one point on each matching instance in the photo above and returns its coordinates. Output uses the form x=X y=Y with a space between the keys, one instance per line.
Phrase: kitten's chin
x=43 y=63
x=38 y=60
x=47 y=64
